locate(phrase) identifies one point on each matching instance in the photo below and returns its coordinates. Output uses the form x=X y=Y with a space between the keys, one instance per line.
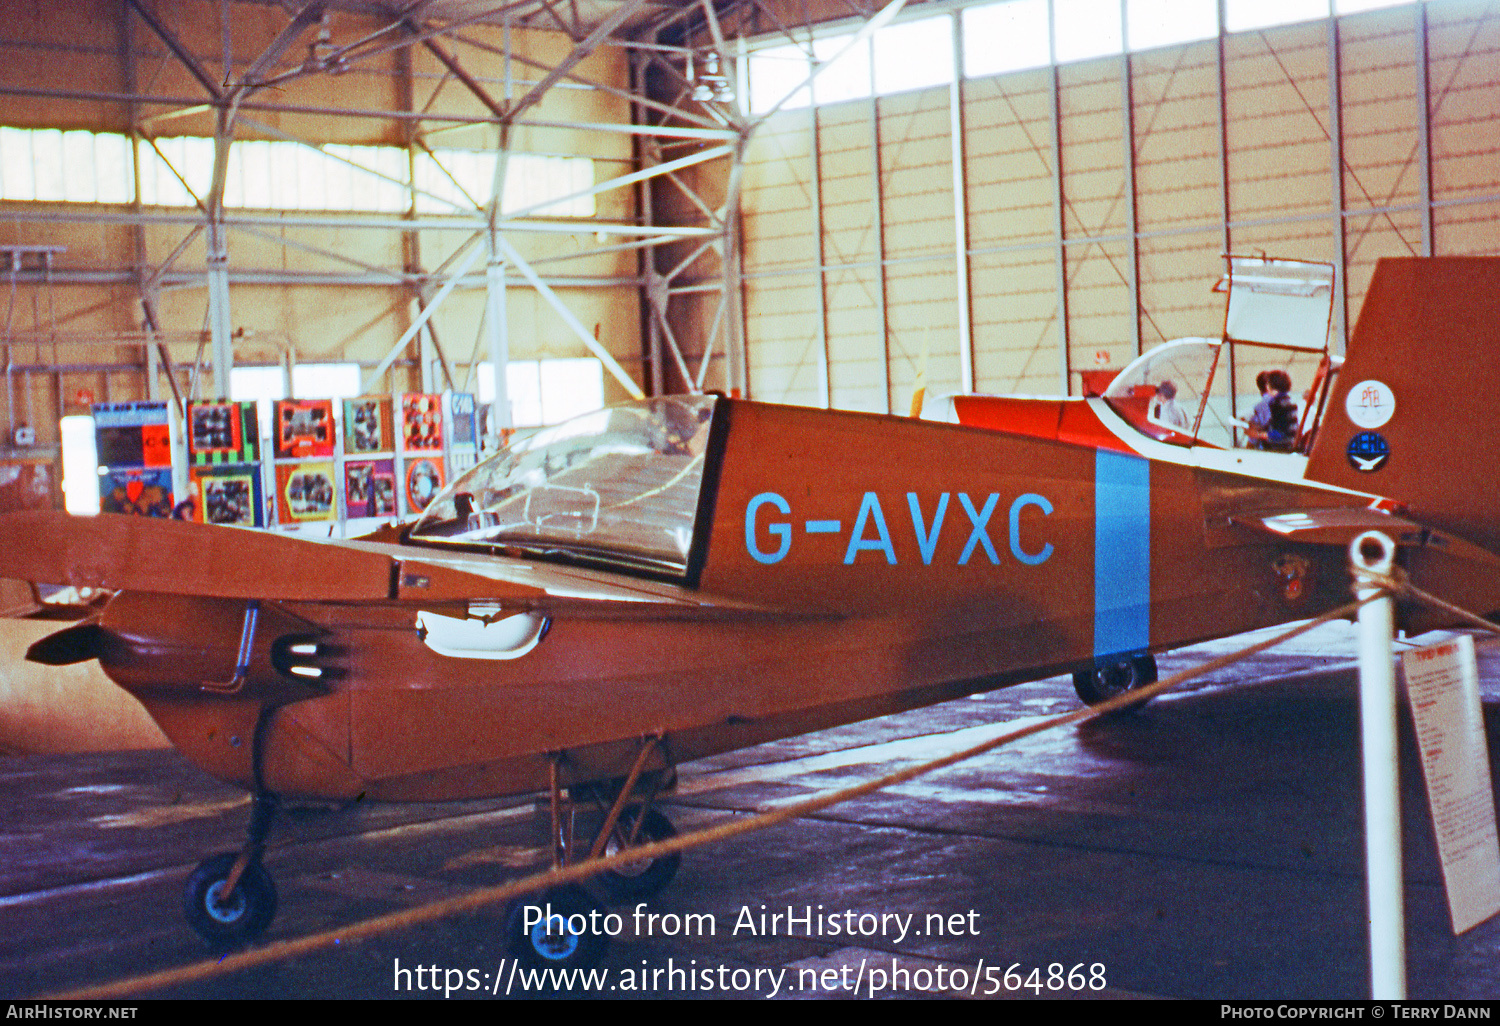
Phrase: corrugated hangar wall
x=305 y=283
x=1168 y=158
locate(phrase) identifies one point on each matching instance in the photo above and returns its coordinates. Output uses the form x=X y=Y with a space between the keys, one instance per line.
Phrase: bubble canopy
x=619 y=486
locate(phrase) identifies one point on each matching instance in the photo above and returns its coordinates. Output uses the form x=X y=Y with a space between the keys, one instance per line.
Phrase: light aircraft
x=662 y=581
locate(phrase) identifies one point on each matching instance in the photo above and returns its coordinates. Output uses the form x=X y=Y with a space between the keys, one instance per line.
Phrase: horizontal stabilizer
x=1340 y=525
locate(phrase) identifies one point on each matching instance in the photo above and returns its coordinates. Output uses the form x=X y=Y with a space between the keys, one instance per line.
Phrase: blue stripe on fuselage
x=1122 y=554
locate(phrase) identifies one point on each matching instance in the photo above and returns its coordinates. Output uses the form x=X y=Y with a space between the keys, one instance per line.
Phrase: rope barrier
x=475 y=900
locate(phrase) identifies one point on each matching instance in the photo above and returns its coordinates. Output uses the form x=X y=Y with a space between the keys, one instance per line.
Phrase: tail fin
x=1415 y=412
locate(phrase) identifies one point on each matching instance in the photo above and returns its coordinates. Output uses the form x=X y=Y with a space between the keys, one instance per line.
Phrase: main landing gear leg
x=544 y=931
x=631 y=822
x=551 y=929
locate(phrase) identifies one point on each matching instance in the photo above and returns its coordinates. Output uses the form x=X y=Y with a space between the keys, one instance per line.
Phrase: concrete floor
x=1209 y=847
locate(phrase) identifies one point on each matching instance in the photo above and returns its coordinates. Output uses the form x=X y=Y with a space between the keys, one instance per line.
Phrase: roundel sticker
x=1370 y=404
x=1368 y=451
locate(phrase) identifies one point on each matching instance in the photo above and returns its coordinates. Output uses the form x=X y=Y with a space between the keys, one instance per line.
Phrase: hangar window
x=1084 y=29
x=326 y=380
x=50 y=165
x=775 y=72
x=546 y=391
x=914 y=55
x=848 y=77
x=1244 y=15
x=1006 y=37
x=1152 y=23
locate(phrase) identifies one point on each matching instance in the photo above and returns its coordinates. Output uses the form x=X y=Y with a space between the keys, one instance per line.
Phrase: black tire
x=641 y=879
x=1105 y=682
x=553 y=945
x=243 y=917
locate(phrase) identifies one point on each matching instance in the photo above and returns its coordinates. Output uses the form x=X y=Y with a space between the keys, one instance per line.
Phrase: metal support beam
x=180 y=51
x=1059 y=205
x=1340 y=339
x=960 y=211
x=1127 y=134
x=570 y=319
x=605 y=28
x=497 y=322
x=877 y=213
x=737 y=371
x=1424 y=128
x=373 y=378
x=825 y=387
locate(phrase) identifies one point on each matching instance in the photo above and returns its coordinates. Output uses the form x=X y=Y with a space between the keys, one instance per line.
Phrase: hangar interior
x=812 y=202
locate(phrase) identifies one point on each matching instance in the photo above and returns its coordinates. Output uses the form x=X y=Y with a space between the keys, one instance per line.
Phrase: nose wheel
x=230 y=899
x=225 y=917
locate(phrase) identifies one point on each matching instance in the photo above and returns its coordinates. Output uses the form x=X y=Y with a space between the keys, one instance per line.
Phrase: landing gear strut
x=230 y=898
x=551 y=928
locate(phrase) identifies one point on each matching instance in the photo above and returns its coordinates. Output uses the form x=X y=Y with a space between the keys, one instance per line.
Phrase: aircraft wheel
x=1105 y=682
x=242 y=916
x=561 y=930
x=640 y=879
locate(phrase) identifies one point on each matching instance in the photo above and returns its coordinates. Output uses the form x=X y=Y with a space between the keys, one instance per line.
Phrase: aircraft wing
x=126 y=553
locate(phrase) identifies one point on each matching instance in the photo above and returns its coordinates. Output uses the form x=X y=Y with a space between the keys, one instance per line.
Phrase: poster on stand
x=222 y=432
x=367 y=425
x=304 y=427
x=228 y=495
x=144 y=492
x=133 y=434
x=424 y=479
x=306 y=492
x=370 y=488
x=421 y=423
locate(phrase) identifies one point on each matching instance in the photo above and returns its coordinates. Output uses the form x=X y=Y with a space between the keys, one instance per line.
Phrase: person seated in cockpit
x=1164 y=408
x=1273 y=425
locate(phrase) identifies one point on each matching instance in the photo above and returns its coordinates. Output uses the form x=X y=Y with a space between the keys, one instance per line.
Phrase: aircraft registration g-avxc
x=661 y=581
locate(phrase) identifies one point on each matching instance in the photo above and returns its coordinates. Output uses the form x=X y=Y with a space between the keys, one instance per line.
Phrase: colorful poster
x=141 y=492
x=421 y=423
x=367 y=425
x=135 y=434
x=222 y=432
x=424 y=479
x=228 y=495
x=370 y=488
x=304 y=427
x=461 y=415
x=306 y=492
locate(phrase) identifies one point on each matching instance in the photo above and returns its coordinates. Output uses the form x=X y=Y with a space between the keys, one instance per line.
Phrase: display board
x=304 y=440
x=134 y=445
x=370 y=488
x=368 y=426
x=462 y=431
x=225 y=471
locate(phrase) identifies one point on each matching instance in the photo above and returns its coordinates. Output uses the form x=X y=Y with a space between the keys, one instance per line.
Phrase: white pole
x=1373 y=552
